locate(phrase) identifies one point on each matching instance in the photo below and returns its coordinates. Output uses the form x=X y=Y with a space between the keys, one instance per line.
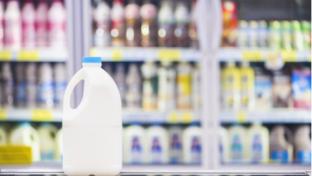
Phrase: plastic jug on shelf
x=157 y=145
x=192 y=146
x=237 y=141
x=25 y=134
x=303 y=145
x=134 y=141
x=280 y=145
x=96 y=121
x=47 y=133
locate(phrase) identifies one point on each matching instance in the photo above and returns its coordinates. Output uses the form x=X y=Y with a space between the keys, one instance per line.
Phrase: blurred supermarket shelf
x=260 y=55
x=274 y=116
x=35 y=55
x=157 y=117
x=266 y=167
x=144 y=54
x=40 y=115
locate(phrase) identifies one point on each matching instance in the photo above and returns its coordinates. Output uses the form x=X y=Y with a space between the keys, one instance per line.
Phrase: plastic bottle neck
x=91 y=64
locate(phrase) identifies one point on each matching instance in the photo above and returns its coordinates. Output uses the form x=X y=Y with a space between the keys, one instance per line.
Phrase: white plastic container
x=258 y=144
x=157 y=145
x=224 y=145
x=175 y=143
x=303 y=145
x=192 y=145
x=3 y=135
x=133 y=146
x=57 y=24
x=25 y=134
x=47 y=134
x=92 y=132
x=12 y=27
x=28 y=24
x=281 y=149
x=237 y=144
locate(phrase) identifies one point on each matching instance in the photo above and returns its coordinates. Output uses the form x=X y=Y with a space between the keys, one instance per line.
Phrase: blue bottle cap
x=91 y=60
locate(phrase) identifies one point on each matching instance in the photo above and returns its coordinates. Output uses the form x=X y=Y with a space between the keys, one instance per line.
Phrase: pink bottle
x=12 y=26
x=28 y=24
x=41 y=24
x=1 y=24
x=57 y=24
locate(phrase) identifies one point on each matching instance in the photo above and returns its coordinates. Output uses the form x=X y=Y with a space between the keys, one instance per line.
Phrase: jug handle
x=79 y=76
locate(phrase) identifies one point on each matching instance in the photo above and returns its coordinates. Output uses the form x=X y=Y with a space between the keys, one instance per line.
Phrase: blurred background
x=204 y=84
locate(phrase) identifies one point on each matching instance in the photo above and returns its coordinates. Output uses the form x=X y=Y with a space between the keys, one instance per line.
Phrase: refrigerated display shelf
x=36 y=115
x=274 y=116
x=34 y=55
x=111 y=54
x=267 y=167
x=261 y=55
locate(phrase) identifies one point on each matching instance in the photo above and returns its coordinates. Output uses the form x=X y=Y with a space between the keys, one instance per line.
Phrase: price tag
x=289 y=55
x=187 y=117
x=117 y=55
x=41 y=115
x=5 y=55
x=11 y=154
x=241 y=116
x=252 y=55
x=28 y=55
x=3 y=114
x=173 y=117
x=169 y=54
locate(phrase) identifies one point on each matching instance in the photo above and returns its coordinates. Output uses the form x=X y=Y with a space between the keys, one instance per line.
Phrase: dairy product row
x=44 y=140
x=159 y=145
x=249 y=87
x=26 y=25
x=28 y=85
x=258 y=145
x=135 y=24
x=263 y=34
x=151 y=86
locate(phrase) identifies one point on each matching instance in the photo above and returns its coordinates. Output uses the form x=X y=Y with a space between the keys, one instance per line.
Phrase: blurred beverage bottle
x=148 y=14
x=28 y=24
x=118 y=23
x=101 y=22
x=12 y=27
x=41 y=24
x=7 y=86
x=57 y=24
x=166 y=24
x=132 y=15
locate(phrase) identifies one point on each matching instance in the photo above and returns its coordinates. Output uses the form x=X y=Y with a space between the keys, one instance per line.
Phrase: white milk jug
x=47 y=135
x=92 y=132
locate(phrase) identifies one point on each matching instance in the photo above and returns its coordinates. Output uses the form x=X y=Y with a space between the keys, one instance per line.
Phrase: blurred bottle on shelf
x=253 y=34
x=182 y=18
x=26 y=135
x=101 y=23
x=258 y=144
x=47 y=133
x=238 y=144
x=263 y=34
x=134 y=145
x=175 y=142
x=45 y=86
x=281 y=149
x=302 y=142
x=166 y=87
x=31 y=84
x=149 y=71
x=12 y=28
x=41 y=24
x=286 y=35
x=1 y=24
x=20 y=85
x=132 y=15
x=166 y=24
x=263 y=90
x=28 y=24
x=306 y=28
x=231 y=86
x=192 y=145
x=275 y=35
x=59 y=84
x=247 y=79
x=120 y=78
x=108 y=68
x=224 y=145
x=229 y=9
x=196 y=89
x=157 y=145
x=58 y=145
x=301 y=87
x=298 y=37
x=133 y=81
x=118 y=23
x=148 y=14
x=7 y=84
x=242 y=34
x=57 y=24
x=184 y=86
x=192 y=32
x=281 y=90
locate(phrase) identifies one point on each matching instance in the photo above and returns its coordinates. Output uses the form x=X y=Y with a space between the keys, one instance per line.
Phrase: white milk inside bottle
x=192 y=145
x=25 y=134
x=303 y=145
x=47 y=133
x=175 y=140
x=96 y=121
x=157 y=145
x=258 y=144
x=133 y=145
